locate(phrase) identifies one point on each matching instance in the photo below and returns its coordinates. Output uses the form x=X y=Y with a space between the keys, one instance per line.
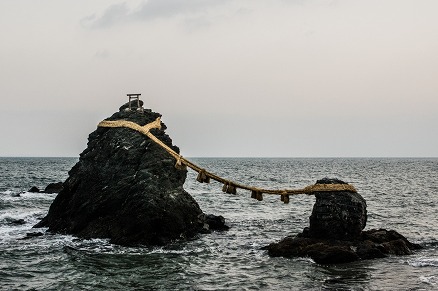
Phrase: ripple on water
x=429 y=280
x=400 y=194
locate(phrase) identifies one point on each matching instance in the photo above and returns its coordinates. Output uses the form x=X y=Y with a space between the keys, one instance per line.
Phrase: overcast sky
x=236 y=78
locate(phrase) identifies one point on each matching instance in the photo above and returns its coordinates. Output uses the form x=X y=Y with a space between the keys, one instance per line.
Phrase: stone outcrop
x=33 y=189
x=336 y=235
x=53 y=188
x=337 y=215
x=126 y=188
x=50 y=189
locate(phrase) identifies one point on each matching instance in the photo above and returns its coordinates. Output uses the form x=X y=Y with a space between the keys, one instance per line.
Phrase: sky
x=240 y=78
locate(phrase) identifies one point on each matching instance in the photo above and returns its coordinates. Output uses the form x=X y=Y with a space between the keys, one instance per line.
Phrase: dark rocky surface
x=216 y=222
x=53 y=188
x=33 y=189
x=134 y=105
x=336 y=235
x=50 y=189
x=337 y=215
x=126 y=188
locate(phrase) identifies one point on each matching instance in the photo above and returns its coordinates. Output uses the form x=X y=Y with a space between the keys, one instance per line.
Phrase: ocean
x=401 y=194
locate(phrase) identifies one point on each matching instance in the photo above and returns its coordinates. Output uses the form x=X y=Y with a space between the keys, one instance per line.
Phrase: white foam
x=39 y=195
x=424 y=262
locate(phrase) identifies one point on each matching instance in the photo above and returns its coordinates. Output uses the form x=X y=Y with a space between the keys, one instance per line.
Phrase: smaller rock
x=34 y=190
x=216 y=222
x=336 y=235
x=338 y=215
x=54 y=188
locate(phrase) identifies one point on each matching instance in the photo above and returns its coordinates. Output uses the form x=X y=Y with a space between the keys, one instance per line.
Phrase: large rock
x=126 y=188
x=336 y=232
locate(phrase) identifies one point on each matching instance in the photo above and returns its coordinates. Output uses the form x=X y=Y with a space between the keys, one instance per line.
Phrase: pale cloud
x=168 y=8
x=152 y=9
x=112 y=15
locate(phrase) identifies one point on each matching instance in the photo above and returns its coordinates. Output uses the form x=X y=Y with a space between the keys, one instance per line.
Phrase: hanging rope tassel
x=231 y=189
x=285 y=198
x=179 y=165
x=199 y=178
x=257 y=195
x=203 y=177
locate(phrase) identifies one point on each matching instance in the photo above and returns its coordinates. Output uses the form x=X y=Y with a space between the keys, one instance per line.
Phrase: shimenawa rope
x=204 y=176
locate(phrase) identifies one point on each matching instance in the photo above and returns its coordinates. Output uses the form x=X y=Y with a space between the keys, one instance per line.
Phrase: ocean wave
x=424 y=262
x=430 y=280
x=7 y=192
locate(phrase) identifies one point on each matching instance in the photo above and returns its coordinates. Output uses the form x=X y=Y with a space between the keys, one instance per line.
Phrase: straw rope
x=204 y=176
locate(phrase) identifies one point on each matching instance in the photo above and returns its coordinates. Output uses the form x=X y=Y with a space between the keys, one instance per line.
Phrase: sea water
x=401 y=194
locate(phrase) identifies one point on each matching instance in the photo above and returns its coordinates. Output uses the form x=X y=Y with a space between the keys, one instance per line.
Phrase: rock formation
x=126 y=188
x=336 y=235
x=50 y=189
x=33 y=189
x=337 y=215
x=53 y=188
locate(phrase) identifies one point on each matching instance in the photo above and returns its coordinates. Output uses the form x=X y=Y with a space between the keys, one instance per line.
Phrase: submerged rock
x=126 y=188
x=336 y=232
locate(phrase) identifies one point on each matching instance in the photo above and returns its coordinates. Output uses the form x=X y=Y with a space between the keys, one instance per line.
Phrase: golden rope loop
x=229 y=186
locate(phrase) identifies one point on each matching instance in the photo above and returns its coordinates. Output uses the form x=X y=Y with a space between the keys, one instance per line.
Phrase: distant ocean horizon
x=401 y=194
x=257 y=157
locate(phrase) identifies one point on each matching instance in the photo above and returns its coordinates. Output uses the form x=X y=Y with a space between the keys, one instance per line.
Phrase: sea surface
x=401 y=194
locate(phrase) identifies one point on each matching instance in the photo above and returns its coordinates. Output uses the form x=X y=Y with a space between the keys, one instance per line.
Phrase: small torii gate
x=134 y=97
